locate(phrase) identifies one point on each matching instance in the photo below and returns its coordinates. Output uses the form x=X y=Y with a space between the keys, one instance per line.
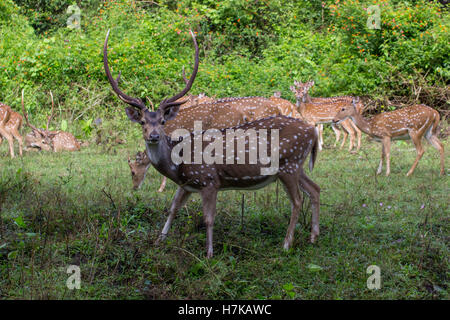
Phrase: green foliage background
x=248 y=47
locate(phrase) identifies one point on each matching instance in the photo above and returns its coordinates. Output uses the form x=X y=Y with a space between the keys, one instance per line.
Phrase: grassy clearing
x=78 y=208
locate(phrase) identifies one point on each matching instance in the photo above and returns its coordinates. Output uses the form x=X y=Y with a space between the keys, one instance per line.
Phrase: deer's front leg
x=337 y=132
x=387 y=153
x=313 y=191
x=380 y=166
x=209 y=199
x=179 y=200
x=163 y=184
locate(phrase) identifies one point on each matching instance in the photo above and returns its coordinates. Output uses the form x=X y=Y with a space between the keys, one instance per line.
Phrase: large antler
x=167 y=103
x=26 y=117
x=115 y=83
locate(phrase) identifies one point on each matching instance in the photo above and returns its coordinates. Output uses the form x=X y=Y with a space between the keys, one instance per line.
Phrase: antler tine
x=25 y=114
x=167 y=103
x=137 y=103
x=151 y=103
x=51 y=114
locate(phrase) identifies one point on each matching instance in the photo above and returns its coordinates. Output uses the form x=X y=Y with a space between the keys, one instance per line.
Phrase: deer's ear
x=171 y=113
x=133 y=114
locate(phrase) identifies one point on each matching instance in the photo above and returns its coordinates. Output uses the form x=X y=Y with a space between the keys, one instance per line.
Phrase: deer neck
x=160 y=157
x=307 y=98
x=362 y=123
x=301 y=107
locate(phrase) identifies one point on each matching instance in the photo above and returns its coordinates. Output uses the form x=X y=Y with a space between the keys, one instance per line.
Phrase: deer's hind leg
x=320 y=129
x=209 y=200
x=9 y=138
x=416 y=137
x=387 y=153
x=437 y=144
x=291 y=185
x=313 y=191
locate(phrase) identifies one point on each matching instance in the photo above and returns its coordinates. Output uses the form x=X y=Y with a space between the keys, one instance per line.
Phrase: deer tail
x=314 y=151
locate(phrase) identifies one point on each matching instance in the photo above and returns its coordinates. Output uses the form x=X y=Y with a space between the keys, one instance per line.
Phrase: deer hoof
x=161 y=238
x=286 y=246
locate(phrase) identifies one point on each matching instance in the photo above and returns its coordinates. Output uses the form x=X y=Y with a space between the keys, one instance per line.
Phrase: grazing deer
x=296 y=140
x=49 y=140
x=347 y=129
x=139 y=169
x=319 y=113
x=412 y=122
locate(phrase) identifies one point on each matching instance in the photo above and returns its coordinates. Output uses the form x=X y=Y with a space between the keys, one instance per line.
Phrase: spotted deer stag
x=10 y=124
x=222 y=113
x=296 y=140
x=412 y=122
x=319 y=113
x=44 y=139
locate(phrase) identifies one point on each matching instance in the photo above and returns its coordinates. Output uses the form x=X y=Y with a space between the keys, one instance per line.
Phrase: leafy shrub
x=247 y=48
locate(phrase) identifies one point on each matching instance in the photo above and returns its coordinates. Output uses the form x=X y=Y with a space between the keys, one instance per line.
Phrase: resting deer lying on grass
x=55 y=141
x=412 y=122
x=291 y=141
x=10 y=124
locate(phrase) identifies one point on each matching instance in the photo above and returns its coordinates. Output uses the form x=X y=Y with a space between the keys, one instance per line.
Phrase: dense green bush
x=48 y=15
x=247 y=48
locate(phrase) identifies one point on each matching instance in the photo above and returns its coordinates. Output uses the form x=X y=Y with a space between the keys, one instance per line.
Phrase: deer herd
x=289 y=131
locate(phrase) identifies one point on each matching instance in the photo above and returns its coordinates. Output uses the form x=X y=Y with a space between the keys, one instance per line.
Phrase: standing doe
x=412 y=122
x=10 y=124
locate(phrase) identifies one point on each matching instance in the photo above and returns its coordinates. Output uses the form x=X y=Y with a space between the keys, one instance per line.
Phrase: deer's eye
x=141 y=122
x=163 y=122
x=343 y=109
x=132 y=173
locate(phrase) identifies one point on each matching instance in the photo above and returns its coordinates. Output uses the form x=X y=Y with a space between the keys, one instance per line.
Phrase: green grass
x=78 y=208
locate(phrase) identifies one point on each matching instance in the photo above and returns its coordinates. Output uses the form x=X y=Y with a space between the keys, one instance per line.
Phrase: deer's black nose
x=154 y=137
